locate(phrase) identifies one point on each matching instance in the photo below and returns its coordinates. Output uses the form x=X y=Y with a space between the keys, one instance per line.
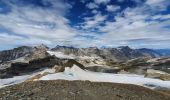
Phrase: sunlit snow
x=20 y=79
x=60 y=55
x=75 y=73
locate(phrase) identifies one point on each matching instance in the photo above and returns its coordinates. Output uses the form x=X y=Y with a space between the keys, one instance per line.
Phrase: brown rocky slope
x=78 y=90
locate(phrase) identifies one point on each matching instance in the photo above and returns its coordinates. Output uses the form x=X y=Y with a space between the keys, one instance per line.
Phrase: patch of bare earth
x=78 y=90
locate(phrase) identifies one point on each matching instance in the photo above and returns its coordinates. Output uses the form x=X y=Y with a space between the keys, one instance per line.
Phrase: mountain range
x=144 y=67
x=26 y=59
x=118 y=54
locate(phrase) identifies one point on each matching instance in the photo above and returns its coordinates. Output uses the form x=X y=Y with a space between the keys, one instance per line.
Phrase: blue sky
x=84 y=23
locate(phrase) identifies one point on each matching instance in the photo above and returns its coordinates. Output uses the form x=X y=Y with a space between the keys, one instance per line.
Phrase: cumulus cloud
x=15 y=40
x=95 y=11
x=38 y=23
x=161 y=17
x=112 y=8
x=158 y=4
x=91 y=22
x=141 y=26
x=135 y=24
x=101 y=1
x=150 y=2
x=92 y=5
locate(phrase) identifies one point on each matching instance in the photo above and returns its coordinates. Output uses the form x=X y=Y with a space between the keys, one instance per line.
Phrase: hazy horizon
x=50 y=47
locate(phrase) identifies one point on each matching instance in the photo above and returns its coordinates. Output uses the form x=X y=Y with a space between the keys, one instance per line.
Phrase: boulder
x=102 y=69
x=58 y=68
x=151 y=73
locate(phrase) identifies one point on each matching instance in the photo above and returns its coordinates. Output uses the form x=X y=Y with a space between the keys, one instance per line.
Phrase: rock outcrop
x=103 y=69
x=18 y=68
x=150 y=52
x=162 y=64
x=151 y=73
x=15 y=53
x=38 y=53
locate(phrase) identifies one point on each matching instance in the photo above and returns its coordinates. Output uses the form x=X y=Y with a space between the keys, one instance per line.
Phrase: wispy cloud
x=102 y=1
x=112 y=8
x=37 y=23
x=138 y=23
x=92 y=5
x=147 y=24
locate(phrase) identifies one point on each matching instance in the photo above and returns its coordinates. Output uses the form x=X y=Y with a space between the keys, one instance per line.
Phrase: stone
x=151 y=73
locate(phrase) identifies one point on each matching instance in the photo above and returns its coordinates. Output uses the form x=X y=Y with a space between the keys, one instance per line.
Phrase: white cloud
x=161 y=17
x=95 y=11
x=91 y=6
x=136 y=24
x=19 y=40
x=112 y=8
x=41 y=25
x=38 y=23
x=50 y=26
x=159 y=5
x=154 y=1
x=91 y=22
x=101 y=1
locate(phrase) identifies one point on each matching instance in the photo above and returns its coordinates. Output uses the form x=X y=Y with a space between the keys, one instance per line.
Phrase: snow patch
x=61 y=55
x=75 y=73
x=22 y=78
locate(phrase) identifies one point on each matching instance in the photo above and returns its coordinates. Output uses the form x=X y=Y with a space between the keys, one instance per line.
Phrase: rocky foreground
x=78 y=90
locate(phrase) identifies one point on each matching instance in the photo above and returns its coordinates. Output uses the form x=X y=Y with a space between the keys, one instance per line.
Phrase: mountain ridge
x=122 y=53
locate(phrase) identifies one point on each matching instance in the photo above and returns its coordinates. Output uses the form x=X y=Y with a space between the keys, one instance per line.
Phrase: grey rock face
x=27 y=52
x=117 y=54
x=20 y=58
x=15 y=53
x=38 y=53
x=19 y=68
x=162 y=64
x=102 y=69
x=150 y=52
x=157 y=74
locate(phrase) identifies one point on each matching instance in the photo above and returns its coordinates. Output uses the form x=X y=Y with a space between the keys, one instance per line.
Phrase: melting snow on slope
x=20 y=79
x=14 y=80
x=75 y=73
x=60 y=55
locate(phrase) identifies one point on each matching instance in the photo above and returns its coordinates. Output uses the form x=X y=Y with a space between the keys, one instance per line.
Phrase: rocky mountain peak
x=41 y=46
x=124 y=48
x=15 y=53
x=93 y=48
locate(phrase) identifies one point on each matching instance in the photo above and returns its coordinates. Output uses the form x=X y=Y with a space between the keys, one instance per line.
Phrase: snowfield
x=75 y=73
x=20 y=79
x=61 y=55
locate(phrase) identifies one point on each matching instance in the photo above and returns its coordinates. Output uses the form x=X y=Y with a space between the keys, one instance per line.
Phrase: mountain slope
x=116 y=54
x=15 y=53
x=152 y=53
x=25 y=52
x=163 y=52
